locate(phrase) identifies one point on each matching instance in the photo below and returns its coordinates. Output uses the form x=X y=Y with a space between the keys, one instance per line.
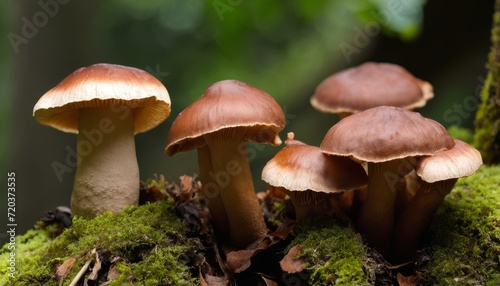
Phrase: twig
x=82 y=271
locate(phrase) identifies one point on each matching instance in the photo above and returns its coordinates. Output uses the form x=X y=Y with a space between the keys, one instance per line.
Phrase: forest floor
x=169 y=240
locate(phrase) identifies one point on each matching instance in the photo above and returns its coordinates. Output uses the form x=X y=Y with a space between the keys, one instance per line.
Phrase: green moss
x=153 y=248
x=487 y=121
x=465 y=247
x=164 y=268
x=150 y=239
x=277 y=210
x=464 y=241
x=334 y=253
x=27 y=249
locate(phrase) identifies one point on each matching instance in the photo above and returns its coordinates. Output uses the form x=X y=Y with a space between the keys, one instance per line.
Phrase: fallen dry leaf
x=238 y=261
x=64 y=269
x=407 y=280
x=113 y=272
x=209 y=280
x=290 y=263
x=207 y=273
x=187 y=189
x=149 y=192
x=186 y=183
x=267 y=281
x=283 y=229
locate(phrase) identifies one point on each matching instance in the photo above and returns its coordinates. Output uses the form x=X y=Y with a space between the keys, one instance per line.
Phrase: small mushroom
x=439 y=173
x=106 y=105
x=314 y=181
x=229 y=114
x=370 y=85
x=389 y=139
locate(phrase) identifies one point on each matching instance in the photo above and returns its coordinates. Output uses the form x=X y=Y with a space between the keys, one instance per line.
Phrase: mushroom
x=106 y=105
x=370 y=85
x=439 y=173
x=389 y=139
x=314 y=181
x=229 y=114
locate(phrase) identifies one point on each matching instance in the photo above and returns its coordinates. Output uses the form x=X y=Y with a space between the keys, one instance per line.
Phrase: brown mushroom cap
x=460 y=161
x=370 y=85
x=102 y=86
x=316 y=183
x=226 y=105
x=301 y=167
x=386 y=133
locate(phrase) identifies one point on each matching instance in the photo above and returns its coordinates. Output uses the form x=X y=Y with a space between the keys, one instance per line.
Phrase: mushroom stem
x=233 y=175
x=376 y=218
x=358 y=200
x=107 y=175
x=404 y=194
x=417 y=216
x=309 y=203
x=211 y=193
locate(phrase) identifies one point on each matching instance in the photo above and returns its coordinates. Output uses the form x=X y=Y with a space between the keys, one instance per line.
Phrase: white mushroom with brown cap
x=370 y=85
x=388 y=139
x=314 y=181
x=218 y=124
x=438 y=175
x=106 y=105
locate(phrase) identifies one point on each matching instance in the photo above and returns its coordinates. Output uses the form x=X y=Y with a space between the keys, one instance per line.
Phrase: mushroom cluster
x=383 y=166
x=389 y=139
x=412 y=162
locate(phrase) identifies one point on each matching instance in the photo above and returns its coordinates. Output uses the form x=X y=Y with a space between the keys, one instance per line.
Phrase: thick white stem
x=107 y=176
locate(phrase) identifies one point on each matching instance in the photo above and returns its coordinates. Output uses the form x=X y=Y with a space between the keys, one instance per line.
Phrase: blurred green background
x=283 y=47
